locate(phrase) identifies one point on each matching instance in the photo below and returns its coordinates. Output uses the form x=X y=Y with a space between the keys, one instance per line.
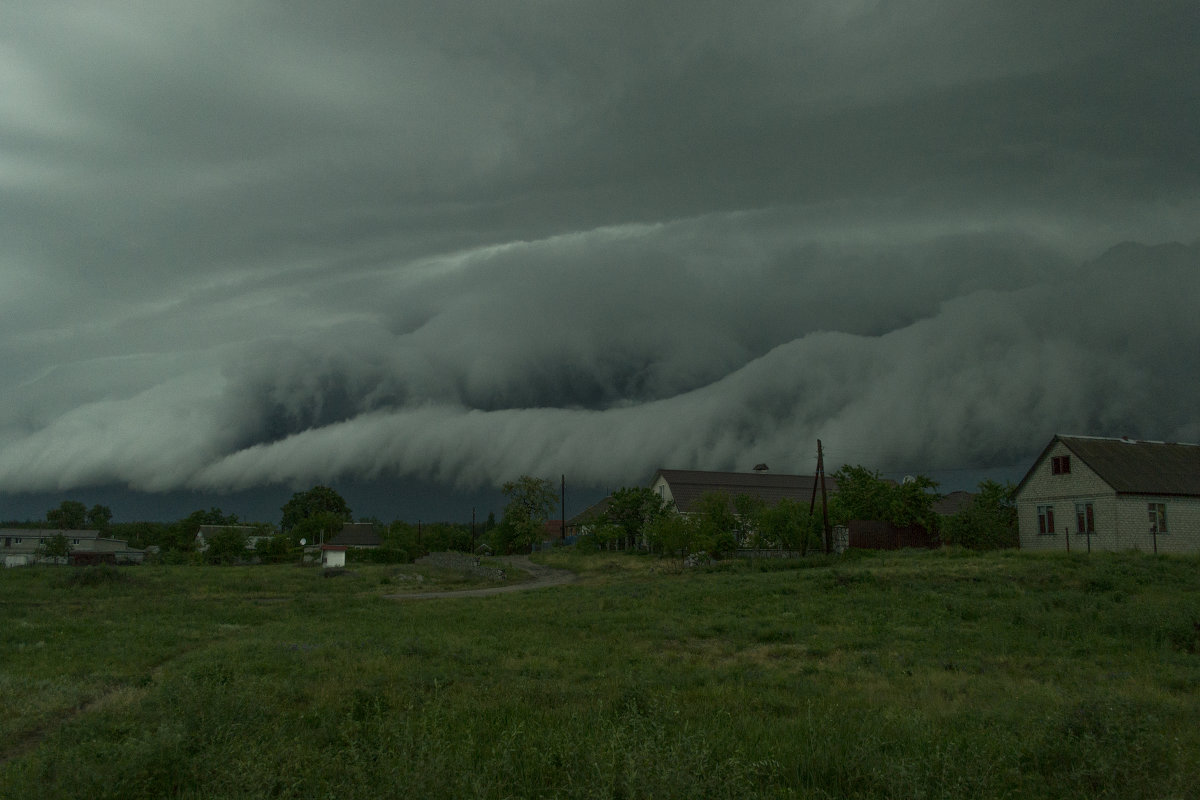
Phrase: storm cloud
x=248 y=244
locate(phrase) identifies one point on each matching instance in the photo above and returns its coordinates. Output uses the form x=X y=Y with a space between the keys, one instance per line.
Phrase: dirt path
x=542 y=577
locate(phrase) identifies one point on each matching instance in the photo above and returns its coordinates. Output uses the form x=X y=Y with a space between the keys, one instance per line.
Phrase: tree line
x=634 y=517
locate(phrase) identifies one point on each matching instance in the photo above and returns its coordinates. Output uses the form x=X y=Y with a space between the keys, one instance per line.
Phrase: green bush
x=97 y=575
x=378 y=555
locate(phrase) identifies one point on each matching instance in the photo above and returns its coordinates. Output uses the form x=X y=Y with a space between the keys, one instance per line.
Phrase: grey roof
x=688 y=486
x=47 y=532
x=209 y=530
x=952 y=503
x=357 y=534
x=590 y=513
x=1130 y=466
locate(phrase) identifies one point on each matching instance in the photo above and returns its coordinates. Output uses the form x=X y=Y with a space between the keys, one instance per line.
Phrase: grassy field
x=945 y=674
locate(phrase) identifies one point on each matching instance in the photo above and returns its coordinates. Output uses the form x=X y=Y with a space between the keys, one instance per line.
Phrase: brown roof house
x=1091 y=493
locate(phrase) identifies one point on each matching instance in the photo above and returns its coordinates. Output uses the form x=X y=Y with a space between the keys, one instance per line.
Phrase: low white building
x=21 y=546
x=1087 y=492
x=333 y=555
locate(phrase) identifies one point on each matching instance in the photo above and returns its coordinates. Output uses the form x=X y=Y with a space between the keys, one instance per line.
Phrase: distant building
x=253 y=533
x=333 y=555
x=685 y=487
x=20 y=547
x=1087 y=492
x=950 y=504
x=584 y=521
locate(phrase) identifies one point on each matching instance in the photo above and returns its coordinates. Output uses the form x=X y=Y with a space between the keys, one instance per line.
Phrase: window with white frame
x=1085 y=519
x=1045 y=519
x=1158 y=517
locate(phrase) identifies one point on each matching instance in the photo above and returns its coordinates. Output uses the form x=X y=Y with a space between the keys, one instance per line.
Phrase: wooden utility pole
x=562 y=532
x=819 y=477
x=824 y=500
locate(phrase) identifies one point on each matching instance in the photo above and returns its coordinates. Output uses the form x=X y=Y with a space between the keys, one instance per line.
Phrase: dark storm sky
x=248 y=244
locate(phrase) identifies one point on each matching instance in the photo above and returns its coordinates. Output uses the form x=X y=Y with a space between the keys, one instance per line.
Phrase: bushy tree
x=418 y=540
x=273 y=549
x=99 y=517
x=675 y=535
x=786 y=525
x=317 y=528
x=227 y=545
x=864 y=494
x=747 y=508
x=317 y=500
x=718 y=525
x=631 y=509
x=530 y=503
x=56 y=546
x=71 y=515
x=989 y=522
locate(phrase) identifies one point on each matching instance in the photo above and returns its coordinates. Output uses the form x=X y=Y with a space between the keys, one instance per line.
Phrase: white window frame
x=1157 y=517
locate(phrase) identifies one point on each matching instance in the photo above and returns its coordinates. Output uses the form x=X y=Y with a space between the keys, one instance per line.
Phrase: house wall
x=1081 y=484
x=663 y=489
x=1183 y=524
x=1122 y=521
x=333 y=558
x=20 y=545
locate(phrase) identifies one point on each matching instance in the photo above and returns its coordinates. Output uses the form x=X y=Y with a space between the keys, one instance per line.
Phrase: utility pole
x=562 y=532
x=472 y=529
x=824 y=500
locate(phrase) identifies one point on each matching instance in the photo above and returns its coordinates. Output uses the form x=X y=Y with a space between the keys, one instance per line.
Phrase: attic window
x=1060 y=465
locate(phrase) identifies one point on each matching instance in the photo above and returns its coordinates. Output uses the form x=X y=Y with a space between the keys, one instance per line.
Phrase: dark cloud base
x=243 y=248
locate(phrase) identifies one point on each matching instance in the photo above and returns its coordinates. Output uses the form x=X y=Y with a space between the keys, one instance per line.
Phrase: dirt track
x=542 y=577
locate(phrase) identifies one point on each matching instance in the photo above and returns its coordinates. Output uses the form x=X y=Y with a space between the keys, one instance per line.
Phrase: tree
x=718 y=525
x=786 y=525
x=675 y=535
x=861 y=494
x=989 y=522
x=99 y=517
x=530 y=503
x=317 y=528
x=317 y=500
x=70 y=515
x=864 y=494
x=56 y=546
x=272 y=549
x=747 y=508
x=631 y=510
x=226 y=545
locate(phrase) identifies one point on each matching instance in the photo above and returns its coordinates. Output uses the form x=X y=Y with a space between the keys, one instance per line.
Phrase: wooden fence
x=873 y=534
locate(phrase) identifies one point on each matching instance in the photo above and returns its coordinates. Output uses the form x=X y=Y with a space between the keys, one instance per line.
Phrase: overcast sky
x=250 y=244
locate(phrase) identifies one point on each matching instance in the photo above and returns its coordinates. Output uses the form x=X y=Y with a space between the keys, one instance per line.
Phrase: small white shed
x=333 y=555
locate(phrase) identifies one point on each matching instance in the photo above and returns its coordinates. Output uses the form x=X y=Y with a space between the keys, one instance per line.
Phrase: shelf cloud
x=249 y=244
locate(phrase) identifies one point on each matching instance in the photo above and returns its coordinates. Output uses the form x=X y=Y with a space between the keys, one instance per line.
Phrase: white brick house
x=1087 y=492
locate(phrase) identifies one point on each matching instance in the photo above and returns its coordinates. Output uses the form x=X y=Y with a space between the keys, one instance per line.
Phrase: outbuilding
x=333 y=555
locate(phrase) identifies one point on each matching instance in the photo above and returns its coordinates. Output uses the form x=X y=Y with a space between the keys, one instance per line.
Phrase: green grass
x=948 y=674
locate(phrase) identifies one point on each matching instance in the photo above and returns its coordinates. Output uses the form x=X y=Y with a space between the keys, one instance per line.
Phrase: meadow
x=901 y=675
